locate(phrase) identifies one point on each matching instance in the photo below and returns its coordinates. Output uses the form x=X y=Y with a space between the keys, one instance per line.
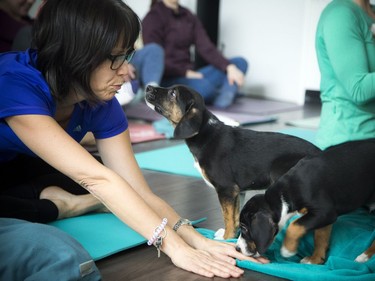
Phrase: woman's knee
x=154 y=49
x=241 y=63
x=38 y=251
x=205 y=88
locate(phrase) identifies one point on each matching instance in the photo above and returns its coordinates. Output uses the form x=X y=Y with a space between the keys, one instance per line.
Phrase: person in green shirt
x=345 y=47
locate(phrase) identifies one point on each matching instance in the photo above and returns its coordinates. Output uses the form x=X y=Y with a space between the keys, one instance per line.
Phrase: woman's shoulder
x=18 y=62
x=342 y=9
x=21 y=67
x=18 y=75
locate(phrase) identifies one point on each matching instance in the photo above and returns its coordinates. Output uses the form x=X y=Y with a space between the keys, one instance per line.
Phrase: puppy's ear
x=262 y=231
x=190 y=123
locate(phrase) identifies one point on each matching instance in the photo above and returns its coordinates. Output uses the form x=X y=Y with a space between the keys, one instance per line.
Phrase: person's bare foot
x=71 y=205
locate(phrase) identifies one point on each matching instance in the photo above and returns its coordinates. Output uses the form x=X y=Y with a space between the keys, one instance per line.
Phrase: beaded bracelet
x=157 y=232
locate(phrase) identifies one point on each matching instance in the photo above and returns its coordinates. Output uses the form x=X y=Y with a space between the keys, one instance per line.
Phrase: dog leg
x=321 y=244
x=236 y=212
x=291 y=240
x=365 y=256
x=230 y=210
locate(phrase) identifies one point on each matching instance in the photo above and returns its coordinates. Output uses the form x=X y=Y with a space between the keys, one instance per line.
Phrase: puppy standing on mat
x=320 y=188
x=231 y=159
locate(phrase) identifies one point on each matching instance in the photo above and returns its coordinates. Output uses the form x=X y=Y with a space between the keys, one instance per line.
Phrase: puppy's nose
x=238 y=249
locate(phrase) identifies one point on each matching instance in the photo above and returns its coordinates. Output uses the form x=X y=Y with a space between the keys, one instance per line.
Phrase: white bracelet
x=157 y=232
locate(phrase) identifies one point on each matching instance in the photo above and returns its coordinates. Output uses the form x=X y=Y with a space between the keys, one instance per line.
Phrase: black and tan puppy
x=339 y=180
x=231 y=159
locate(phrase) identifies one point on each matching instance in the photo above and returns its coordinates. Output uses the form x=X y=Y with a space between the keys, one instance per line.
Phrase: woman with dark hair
x=51 y=97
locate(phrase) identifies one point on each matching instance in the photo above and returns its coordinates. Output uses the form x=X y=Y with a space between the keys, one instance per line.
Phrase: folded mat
x=352 y=234
x=102 y=235
x=178 y=159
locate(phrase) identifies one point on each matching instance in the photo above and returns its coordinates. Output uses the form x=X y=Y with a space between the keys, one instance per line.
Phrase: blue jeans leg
x=214 y=87
x=228 y=92
x=149 y=64
x=202 y=86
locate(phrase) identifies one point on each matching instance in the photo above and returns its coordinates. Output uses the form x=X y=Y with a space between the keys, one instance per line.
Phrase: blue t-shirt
x=23 y=90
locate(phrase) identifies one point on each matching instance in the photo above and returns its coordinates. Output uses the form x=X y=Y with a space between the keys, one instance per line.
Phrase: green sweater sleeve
x=346 y=53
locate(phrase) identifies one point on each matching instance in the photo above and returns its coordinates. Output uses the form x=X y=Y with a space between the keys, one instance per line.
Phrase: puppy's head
x=257 y=228
x=181 y=105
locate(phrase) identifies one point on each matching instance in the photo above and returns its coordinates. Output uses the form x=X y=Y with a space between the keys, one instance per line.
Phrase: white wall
x=277 y=37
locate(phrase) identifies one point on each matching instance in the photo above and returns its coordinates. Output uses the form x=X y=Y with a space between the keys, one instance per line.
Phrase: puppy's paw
x=219 y=234
x=306 y=260
x=312 y=260
x=362 y=258
x=286 y=253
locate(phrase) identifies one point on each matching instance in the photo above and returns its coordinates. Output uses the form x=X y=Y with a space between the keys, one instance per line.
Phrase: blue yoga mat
x=352 y=234
x=102 y=235
x=175 y=160
x=178 y=159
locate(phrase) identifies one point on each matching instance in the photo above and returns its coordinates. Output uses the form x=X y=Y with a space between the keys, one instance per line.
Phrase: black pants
x=21 y=182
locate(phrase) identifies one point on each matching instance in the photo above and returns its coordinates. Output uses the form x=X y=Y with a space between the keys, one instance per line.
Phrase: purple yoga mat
x=259 y=106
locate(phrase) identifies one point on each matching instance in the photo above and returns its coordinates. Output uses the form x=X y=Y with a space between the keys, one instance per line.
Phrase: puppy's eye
x=244 y=228
x=172 y=94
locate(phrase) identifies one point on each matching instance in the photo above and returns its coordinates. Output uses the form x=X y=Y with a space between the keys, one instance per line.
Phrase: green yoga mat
x=351 y=235
x=102 y=235
x=178 y=159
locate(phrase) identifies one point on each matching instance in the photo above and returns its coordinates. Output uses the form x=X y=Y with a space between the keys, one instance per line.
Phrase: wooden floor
x=192 y=199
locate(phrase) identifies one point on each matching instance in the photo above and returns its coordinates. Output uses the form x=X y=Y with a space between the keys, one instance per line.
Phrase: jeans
x=149 y=64
x=38 y=252
x=214 y=86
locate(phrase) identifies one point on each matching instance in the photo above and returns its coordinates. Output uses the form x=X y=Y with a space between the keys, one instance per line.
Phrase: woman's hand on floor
x=205 y=264
x=227 y=251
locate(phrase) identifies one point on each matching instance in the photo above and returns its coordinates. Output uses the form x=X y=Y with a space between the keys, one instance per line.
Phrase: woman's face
x=105 y=82
x=17 y=8
x=171 y=3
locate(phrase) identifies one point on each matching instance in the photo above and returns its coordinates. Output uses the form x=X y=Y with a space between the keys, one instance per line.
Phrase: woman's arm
x=49 y=141
x=345 y=39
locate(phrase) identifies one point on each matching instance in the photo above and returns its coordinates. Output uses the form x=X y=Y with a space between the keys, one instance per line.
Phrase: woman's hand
x=227 y=252
x=205 y=264
x=193 y=74
x=235 y=75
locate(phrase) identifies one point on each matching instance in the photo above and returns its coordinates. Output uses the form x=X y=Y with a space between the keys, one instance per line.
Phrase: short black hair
x=73 y=37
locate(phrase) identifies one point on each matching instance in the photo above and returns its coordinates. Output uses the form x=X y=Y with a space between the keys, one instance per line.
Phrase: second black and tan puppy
x=339 y=180
x=231 y=159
